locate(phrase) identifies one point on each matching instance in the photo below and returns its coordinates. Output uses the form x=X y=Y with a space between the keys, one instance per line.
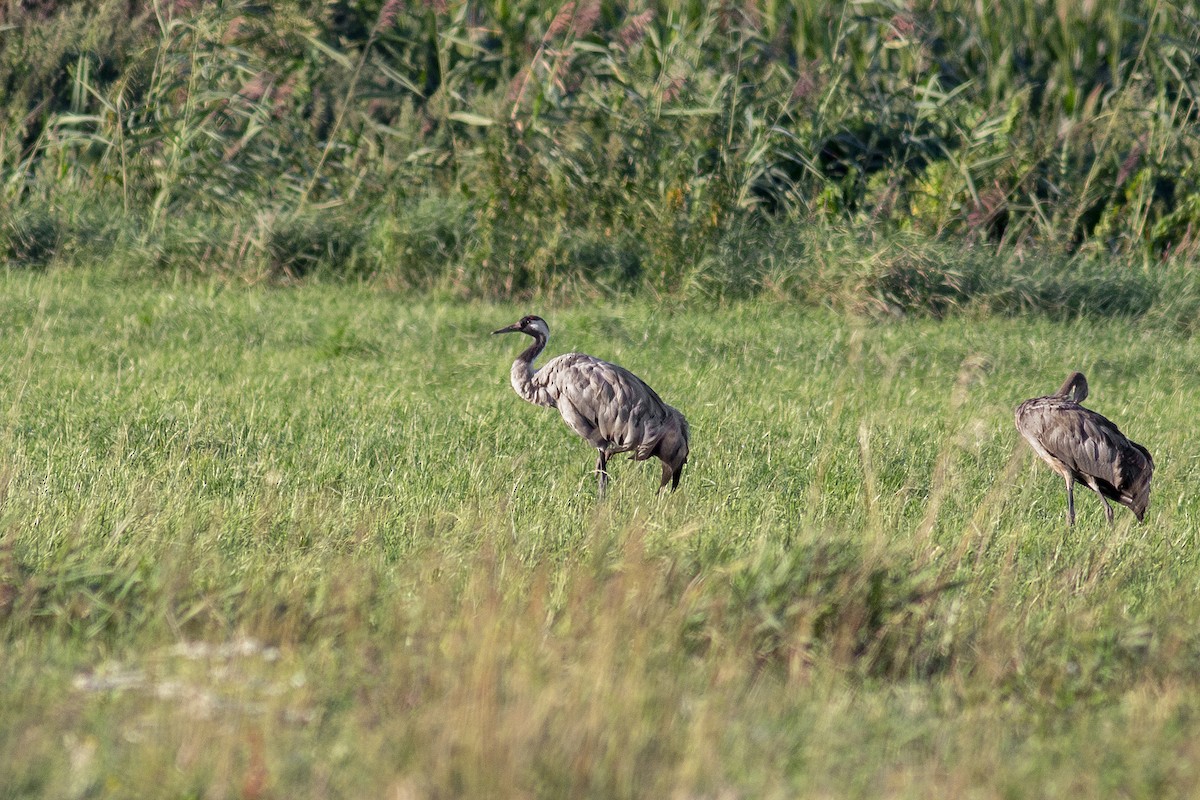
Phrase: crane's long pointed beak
x=510 y=329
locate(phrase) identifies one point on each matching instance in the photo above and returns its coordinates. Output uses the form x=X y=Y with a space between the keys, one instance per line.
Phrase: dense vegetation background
x=503 y=147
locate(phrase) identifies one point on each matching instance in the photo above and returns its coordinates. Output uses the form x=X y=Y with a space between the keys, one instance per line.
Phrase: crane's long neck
x=1076 y=383
x=523 y=372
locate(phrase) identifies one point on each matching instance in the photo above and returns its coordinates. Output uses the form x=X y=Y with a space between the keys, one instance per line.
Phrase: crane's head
x=1076 y=383
x=530 y=326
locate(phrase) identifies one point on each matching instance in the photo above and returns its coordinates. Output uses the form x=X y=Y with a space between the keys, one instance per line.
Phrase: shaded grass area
x=307 y=542
x=435 y=248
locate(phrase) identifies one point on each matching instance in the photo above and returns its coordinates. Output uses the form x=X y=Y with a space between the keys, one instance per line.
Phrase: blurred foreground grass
x=306 y=542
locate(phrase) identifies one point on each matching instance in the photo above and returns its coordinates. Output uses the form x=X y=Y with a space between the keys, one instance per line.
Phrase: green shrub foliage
x=619 y=143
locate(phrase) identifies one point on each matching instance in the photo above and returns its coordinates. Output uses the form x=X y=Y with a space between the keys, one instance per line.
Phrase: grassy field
x=306 y=542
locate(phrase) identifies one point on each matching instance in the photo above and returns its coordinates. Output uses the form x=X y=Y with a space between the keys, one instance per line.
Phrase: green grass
x=307 y=542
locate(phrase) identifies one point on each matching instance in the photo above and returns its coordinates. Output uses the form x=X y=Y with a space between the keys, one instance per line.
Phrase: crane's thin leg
x=676 y=475
x=666 y=476
x=1108 y=512
x=1070 y=501
x=602 y=469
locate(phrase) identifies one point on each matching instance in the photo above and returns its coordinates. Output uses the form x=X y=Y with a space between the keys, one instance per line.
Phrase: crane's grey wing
x=1092 y=445
x=607 y=405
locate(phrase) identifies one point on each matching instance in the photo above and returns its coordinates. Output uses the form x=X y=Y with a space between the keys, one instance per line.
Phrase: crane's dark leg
x=1108 y=512
x=672 y=469
x=675 y=476
x=1070 y=501
x=602 y=470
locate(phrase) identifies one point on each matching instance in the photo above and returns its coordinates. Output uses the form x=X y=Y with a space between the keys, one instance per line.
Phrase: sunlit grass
x=307 y=542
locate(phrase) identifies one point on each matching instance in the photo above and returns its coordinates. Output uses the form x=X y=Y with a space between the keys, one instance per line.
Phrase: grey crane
x=1084 y=447
x=609 y=406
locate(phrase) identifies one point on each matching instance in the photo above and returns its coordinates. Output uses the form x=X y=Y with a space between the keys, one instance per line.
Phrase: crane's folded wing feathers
x=1090 y=444
x=607 y=405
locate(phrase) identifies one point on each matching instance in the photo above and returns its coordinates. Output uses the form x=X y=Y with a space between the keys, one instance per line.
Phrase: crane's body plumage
x=1085 y=447
x=611 y=408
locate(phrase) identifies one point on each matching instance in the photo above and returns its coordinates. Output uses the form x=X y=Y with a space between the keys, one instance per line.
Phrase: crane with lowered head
x=1085 y=447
